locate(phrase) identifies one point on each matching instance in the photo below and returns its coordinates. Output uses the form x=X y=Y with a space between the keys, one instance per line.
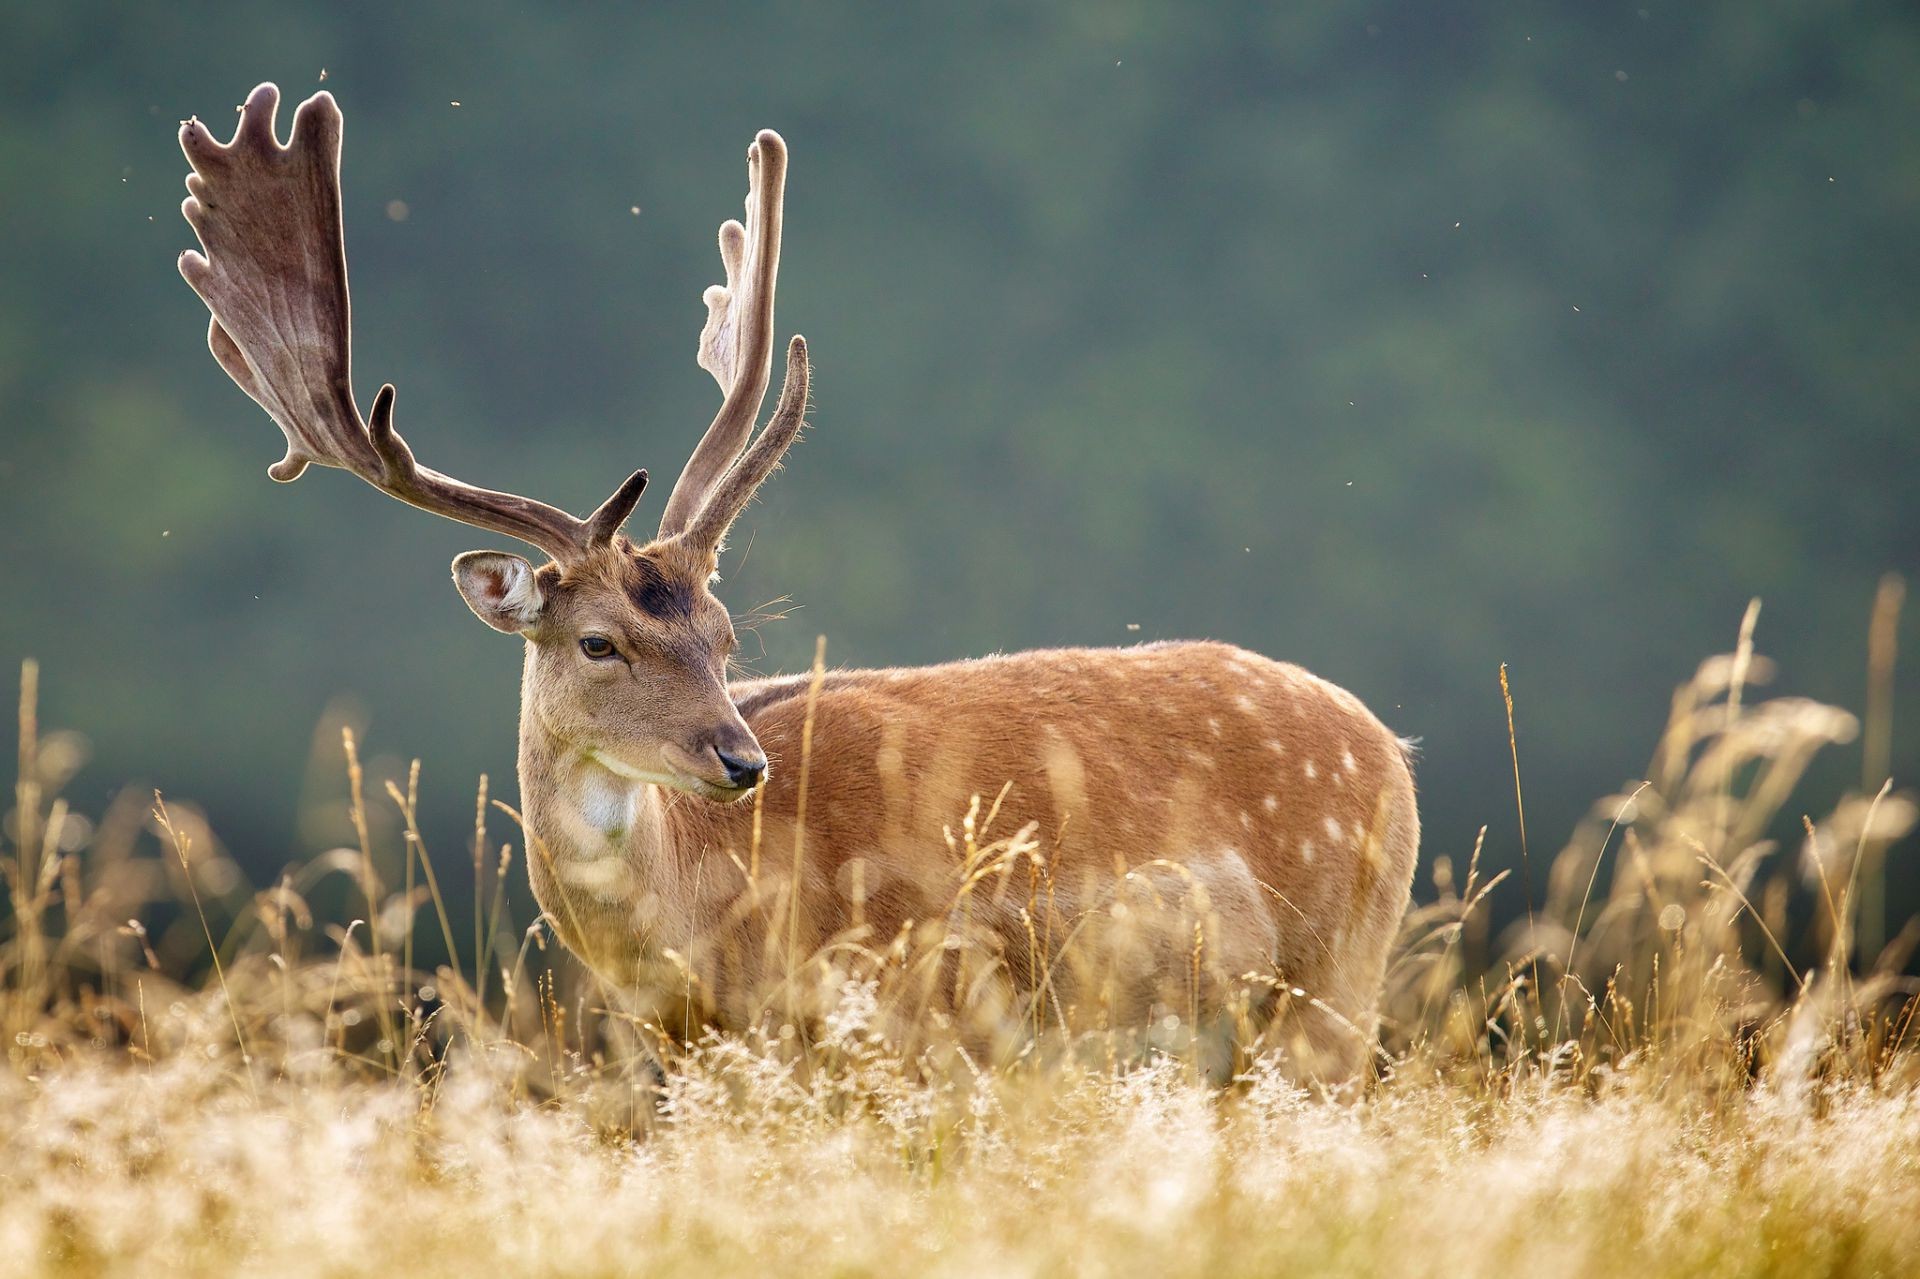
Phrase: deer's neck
x=588 y=814
x=600 y=847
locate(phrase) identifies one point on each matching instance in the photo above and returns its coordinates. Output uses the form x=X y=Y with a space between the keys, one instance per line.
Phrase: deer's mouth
x=719 y=794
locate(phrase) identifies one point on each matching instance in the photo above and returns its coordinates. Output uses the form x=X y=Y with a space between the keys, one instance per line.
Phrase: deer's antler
x=761 y=458
x=274 y=274
x=736 y=346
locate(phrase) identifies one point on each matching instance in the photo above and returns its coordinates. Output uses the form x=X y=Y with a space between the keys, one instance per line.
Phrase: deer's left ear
x=501 y=589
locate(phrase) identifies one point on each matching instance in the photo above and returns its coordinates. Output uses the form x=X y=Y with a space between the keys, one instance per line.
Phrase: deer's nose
x=743 y=770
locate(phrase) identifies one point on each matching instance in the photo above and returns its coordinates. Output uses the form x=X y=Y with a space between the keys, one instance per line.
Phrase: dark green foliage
x=1397 y=340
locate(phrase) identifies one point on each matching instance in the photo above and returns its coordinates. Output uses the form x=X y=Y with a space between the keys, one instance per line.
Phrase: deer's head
x=627 y=646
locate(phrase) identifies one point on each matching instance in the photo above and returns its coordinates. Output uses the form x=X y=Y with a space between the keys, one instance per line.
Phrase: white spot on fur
x=1203 y=759
x=1066 y=776
x=1244 y=702
x=1246 y=820
x=604 y=809
x=1310 y=770
x=1271 y=803
x=1306 y=850
x=1275 y=745
x=1335 y=831
x=1347 y=761
x=607 y=877
x=1213 y=726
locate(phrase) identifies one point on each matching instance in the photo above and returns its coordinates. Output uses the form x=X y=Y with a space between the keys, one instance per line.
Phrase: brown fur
x=1279 y=795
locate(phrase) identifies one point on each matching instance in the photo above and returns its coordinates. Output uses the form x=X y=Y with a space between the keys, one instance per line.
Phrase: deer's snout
x=729 y=758
x=745 y=769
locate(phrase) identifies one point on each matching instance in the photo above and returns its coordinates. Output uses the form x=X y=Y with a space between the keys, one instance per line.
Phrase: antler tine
x=612 y=513
x=736 y=344
x=762 y=457
x=274 y=275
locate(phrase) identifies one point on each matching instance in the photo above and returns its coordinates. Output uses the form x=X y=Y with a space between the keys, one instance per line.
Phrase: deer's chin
x=718 y=794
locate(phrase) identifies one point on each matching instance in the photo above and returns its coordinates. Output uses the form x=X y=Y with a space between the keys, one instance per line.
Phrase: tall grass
x=1682 y=1060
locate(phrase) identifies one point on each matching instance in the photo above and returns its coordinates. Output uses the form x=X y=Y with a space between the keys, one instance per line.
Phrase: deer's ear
x=501 y=589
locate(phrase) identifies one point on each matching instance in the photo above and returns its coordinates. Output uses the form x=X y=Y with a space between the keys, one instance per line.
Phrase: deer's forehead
x=657 y=591
x=636 y=583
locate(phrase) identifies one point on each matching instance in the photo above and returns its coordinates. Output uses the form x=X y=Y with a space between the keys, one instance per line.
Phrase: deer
x=1255 y=824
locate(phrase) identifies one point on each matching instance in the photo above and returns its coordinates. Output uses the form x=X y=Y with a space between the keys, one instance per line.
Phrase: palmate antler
x=736 y=346
x=274 y=274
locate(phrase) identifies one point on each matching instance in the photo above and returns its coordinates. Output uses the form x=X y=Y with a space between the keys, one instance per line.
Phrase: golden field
x=1696 y=1057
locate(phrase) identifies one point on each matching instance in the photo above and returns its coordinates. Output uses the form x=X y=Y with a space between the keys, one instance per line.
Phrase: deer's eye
x=598 y=647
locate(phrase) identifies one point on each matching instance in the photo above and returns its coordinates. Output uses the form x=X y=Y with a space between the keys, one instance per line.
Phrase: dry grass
x=1684 y=1063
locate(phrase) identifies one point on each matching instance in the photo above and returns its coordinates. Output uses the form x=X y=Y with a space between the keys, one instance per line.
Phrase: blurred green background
x=1399 y=340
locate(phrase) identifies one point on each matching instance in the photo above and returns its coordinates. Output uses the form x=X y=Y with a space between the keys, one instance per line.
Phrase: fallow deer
x=1267 y=800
